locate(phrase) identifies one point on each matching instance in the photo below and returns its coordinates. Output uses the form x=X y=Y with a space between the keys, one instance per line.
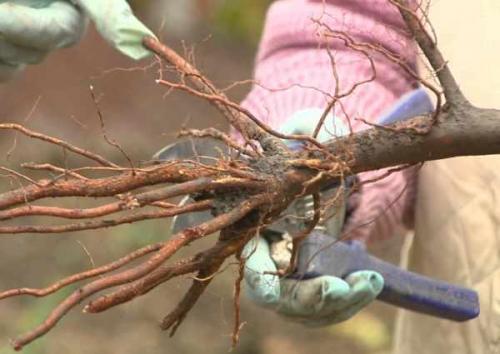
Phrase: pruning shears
x=320 y=254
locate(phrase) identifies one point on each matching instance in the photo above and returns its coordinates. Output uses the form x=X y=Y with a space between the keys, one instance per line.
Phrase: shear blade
x=202 y=150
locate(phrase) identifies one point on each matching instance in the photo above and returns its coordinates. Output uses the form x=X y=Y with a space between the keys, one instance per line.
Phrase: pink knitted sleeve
x=295 y=73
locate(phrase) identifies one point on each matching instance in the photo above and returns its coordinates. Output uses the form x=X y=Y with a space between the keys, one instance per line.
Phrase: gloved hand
x=30 y=29
x=318 y=301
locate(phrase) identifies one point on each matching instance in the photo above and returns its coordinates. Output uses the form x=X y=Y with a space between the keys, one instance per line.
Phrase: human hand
x=31 y=29
x=317 y=301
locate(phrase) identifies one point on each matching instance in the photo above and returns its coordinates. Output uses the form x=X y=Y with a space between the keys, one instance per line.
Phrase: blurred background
x=54 y=98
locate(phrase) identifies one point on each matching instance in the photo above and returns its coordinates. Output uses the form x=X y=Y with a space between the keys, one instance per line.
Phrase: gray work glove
x=31 y=29
x=318 y=301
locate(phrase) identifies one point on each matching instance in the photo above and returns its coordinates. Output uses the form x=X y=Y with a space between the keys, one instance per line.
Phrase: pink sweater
x=290 y=59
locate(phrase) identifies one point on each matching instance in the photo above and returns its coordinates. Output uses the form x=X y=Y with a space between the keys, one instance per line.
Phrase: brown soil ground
x=142 y=120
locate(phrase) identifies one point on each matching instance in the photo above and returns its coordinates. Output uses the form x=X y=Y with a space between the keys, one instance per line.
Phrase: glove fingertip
x=129 y=42
x=333 y=288
x=366 y=281
x=118 y=25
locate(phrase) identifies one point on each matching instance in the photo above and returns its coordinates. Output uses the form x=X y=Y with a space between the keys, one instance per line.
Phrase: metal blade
x=203 y=150
x=183 y=221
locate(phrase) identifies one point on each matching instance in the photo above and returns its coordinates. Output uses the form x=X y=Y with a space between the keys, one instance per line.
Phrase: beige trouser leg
x=457 y=239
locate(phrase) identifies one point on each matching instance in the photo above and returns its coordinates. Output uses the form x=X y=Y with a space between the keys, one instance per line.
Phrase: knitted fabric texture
x=294 y=71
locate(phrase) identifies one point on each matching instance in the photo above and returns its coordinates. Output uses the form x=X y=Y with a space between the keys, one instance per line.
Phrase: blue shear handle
x=321 y=255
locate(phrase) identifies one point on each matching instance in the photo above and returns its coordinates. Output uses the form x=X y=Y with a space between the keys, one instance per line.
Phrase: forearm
x=290 y=54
